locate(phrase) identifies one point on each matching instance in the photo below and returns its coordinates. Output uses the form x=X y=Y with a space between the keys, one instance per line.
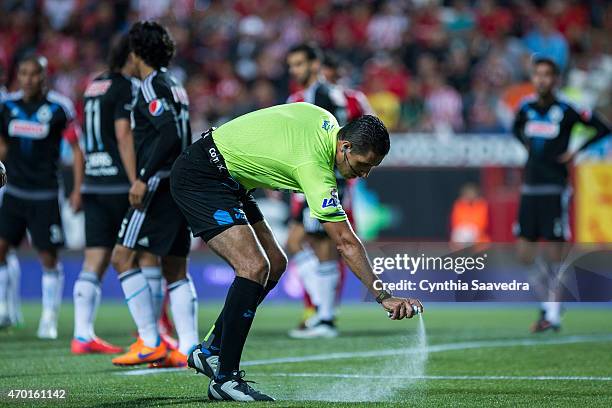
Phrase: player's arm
x=123 y=130
x=166 y=123
x=72 y=134
x=518 y=127
x=319 y=186
x=592 y=119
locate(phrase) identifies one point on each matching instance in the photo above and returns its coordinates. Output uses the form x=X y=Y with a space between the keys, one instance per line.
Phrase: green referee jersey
x=289 y=147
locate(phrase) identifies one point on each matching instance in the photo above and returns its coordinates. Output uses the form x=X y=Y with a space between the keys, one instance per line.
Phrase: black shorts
x=159 y=227
x=103 y=216
x=41 y=218
x=211 y=200
x=543 y=217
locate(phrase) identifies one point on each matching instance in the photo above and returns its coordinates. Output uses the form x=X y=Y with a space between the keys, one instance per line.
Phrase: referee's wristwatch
x=383 y=295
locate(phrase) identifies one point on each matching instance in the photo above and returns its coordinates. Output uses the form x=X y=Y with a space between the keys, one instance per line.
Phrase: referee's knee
x=256 y=269
x=278 y=264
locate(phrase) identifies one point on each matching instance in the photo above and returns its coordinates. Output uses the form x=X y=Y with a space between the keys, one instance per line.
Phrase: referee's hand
x=137 y=192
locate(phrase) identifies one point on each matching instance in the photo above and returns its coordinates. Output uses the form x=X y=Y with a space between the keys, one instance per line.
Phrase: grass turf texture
x=28 y=363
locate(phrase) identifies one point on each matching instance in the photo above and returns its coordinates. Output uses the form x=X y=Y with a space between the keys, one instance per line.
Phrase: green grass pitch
x=478 y=356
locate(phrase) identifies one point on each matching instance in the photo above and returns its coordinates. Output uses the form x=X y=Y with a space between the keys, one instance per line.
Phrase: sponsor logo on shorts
x=215 y=159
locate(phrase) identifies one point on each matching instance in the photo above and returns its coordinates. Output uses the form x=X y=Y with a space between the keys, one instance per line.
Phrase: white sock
x=184 y=306
x=4 y=282
x=327 y=282
x=14 y=294
x=153 y=276
x=94 y=312
x=52 y=289
x=552 y=312
x=306 y=264
x=138 y=297
x=84 y=294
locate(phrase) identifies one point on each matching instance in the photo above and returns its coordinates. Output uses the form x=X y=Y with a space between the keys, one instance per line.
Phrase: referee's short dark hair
x=119 y=53
x=311 y=51
x=366 y=134
x=542 y=59
x=151 y=42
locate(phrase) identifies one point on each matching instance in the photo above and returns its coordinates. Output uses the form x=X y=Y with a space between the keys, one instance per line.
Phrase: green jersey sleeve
x=319 y=186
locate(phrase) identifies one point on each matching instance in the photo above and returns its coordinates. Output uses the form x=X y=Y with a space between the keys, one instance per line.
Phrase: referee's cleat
x=234 y=388
x=141 y=354
x=315 y=330
x=203 y=360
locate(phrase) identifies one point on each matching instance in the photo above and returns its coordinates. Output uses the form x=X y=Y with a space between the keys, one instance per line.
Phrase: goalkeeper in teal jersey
x=296 y=147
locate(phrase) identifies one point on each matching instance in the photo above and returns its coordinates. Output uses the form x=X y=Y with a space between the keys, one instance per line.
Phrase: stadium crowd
x=425 y=65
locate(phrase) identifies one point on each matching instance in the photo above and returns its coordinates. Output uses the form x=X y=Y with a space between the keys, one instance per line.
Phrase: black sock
x=213 y=340
x=238 y=314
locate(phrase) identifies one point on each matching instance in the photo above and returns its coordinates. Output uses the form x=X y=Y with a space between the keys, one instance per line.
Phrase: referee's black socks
x=213 y=340
x=237 y=316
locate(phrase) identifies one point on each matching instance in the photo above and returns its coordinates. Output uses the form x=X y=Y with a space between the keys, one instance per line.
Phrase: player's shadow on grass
x=153 y=401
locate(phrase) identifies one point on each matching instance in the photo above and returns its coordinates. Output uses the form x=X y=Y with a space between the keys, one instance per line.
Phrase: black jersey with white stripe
x=108 y=98
x=545 y=130
x=160 y=122
x=33 y=133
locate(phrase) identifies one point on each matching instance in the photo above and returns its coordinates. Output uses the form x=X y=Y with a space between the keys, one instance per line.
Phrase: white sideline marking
x=394 y=352
x=440 y=377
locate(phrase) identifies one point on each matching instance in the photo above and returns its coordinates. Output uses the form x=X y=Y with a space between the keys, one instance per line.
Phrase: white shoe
x=319 y=330
x=47 y=328
x=235 y=389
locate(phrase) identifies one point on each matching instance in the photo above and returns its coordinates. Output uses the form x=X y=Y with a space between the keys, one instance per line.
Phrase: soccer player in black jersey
x=33 y=122
x=161 y=130
x=110 y=169
x=543 y=125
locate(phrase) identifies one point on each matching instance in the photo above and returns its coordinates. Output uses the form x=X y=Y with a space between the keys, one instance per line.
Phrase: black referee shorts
x=159 y=227
x=211 y=200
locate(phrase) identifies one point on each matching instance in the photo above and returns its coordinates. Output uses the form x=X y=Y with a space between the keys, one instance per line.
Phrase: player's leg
x=52 y=290
x=138 y=296
x=554 y=227
x=4 y=284
x=184 y=307
x=103 y=214
x=14 y=294
x=239 y=246
x=45 y=226
x=12 y=230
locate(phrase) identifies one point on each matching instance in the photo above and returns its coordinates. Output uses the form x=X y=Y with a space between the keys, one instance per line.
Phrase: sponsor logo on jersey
x=334 y=201
x=327 y=125
x=97 y=88
x=156 y=107
x=538 y=128
x=28 y=129
x=44 y=114
x=555 y=113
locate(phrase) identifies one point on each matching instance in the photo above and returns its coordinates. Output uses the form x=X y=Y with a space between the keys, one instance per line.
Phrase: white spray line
x=439 y=377
x=395 y=352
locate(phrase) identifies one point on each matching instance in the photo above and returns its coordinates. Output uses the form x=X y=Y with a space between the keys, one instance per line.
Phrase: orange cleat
x=141 y=354
x=170 y=341
x=137 y=344
x=93 y=346
x=174 y=358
